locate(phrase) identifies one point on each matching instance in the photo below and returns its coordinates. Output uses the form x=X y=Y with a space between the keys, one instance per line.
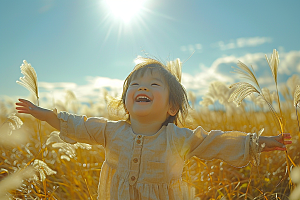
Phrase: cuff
x=63 y=117
x=255 y=148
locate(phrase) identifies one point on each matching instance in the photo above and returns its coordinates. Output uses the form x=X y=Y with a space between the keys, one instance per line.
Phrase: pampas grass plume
x=273 y=64
x=295 y=174
x=297 y=95
x=14 y=181
x=29 y=80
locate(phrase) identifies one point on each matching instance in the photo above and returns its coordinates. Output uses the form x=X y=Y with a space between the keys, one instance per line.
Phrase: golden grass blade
x=29 y=81
x=175 y=68
x=26 y=85
x=297 y=95
x=245 y=71
x=86 y=184
x=14 y=181
x=43 y=169
x=291 y=161
x=273 y=64
x=242 y=90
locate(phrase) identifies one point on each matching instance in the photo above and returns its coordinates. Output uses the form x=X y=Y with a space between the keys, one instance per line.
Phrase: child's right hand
x=27 y=107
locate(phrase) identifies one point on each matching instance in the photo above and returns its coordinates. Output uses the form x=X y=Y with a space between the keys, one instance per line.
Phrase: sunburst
x=125 y=18
x=125 y=10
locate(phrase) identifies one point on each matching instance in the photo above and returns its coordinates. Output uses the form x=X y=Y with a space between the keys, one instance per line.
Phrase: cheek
x=128 y=97
x=164 y=96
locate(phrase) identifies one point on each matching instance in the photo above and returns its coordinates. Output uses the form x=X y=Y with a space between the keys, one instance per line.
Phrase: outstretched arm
x=275 y=142
x=27 y=107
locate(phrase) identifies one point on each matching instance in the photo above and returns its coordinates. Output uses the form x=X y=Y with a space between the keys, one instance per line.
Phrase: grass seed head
x=273 y=64
x=29 y=80
x=297 y=95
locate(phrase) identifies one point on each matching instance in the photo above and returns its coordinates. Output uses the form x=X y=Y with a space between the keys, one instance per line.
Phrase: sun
x=125 y=9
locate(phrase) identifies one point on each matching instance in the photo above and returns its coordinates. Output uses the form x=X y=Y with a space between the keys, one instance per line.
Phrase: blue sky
x=82 y=46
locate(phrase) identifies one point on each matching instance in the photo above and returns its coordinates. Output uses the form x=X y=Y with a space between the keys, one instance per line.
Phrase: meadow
x=36 y=164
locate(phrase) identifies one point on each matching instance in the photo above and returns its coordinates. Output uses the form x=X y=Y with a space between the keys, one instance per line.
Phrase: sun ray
x=108 y=33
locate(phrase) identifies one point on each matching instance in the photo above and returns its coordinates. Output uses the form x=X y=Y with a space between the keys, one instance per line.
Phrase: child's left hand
x=275 y=142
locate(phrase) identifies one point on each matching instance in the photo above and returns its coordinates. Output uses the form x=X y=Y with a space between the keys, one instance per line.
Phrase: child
x=145 y=154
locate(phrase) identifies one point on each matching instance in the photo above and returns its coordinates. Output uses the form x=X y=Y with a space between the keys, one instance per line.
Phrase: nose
x=143 y=88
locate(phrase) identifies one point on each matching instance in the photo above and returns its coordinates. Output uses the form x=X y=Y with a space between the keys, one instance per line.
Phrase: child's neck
x=144 y=127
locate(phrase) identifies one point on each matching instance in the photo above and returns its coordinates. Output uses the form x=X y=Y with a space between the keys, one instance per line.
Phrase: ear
x=173 y=110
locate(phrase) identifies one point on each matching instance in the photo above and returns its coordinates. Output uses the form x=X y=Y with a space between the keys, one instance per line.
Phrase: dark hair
x=177 y=93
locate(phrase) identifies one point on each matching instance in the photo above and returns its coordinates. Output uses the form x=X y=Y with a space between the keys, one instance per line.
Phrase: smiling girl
x=145 y=154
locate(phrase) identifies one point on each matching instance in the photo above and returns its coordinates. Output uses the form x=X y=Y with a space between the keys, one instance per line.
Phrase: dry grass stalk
x=13 y=121
x=244 y=89
x=296 y=101
x=297 y=96
x=246 y=73
x=29 y=80
x=212 y=179
x=273 y=64
x=175 y=68
x=43 y=169
x=14 y=181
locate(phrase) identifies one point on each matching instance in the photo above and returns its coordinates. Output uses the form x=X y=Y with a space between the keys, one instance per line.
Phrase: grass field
x=36 y=164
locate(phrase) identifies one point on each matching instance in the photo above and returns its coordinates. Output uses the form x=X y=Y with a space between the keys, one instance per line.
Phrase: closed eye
x=134 y=84
x=155 y=84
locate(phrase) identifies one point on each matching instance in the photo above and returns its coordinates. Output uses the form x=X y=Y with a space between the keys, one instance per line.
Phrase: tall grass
x=243 y=89
x=65 y=171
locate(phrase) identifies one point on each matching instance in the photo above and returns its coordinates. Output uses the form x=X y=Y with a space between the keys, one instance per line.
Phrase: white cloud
x=199 y=83
x=289 y=62
x=252 y=42
x=192 y=48
x=99 y=82
x=51 y=86
x=243 y=42
x=94 y=89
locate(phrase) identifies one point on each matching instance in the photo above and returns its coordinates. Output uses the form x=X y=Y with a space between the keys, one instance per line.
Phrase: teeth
x=143 y=97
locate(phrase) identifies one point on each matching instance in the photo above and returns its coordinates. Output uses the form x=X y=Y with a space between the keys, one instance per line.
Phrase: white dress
x=150 y=167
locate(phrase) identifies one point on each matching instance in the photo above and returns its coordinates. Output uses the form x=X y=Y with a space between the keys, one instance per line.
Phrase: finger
x=281 y=139
x=22 y=110
x=280 y=148
x=287 y=135
x=23 y=100
x=269 y=149
x=21 y=104
x=21 y=107
x=26 y=101
x=288 y=142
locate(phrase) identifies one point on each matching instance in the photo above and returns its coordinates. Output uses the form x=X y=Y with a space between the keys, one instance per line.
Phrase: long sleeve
x=234 y=147
x=74 y=128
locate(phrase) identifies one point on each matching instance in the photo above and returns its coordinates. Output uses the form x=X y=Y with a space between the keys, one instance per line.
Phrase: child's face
x=148 y=96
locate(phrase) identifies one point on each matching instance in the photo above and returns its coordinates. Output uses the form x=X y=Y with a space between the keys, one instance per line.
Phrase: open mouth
x=142 y=99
